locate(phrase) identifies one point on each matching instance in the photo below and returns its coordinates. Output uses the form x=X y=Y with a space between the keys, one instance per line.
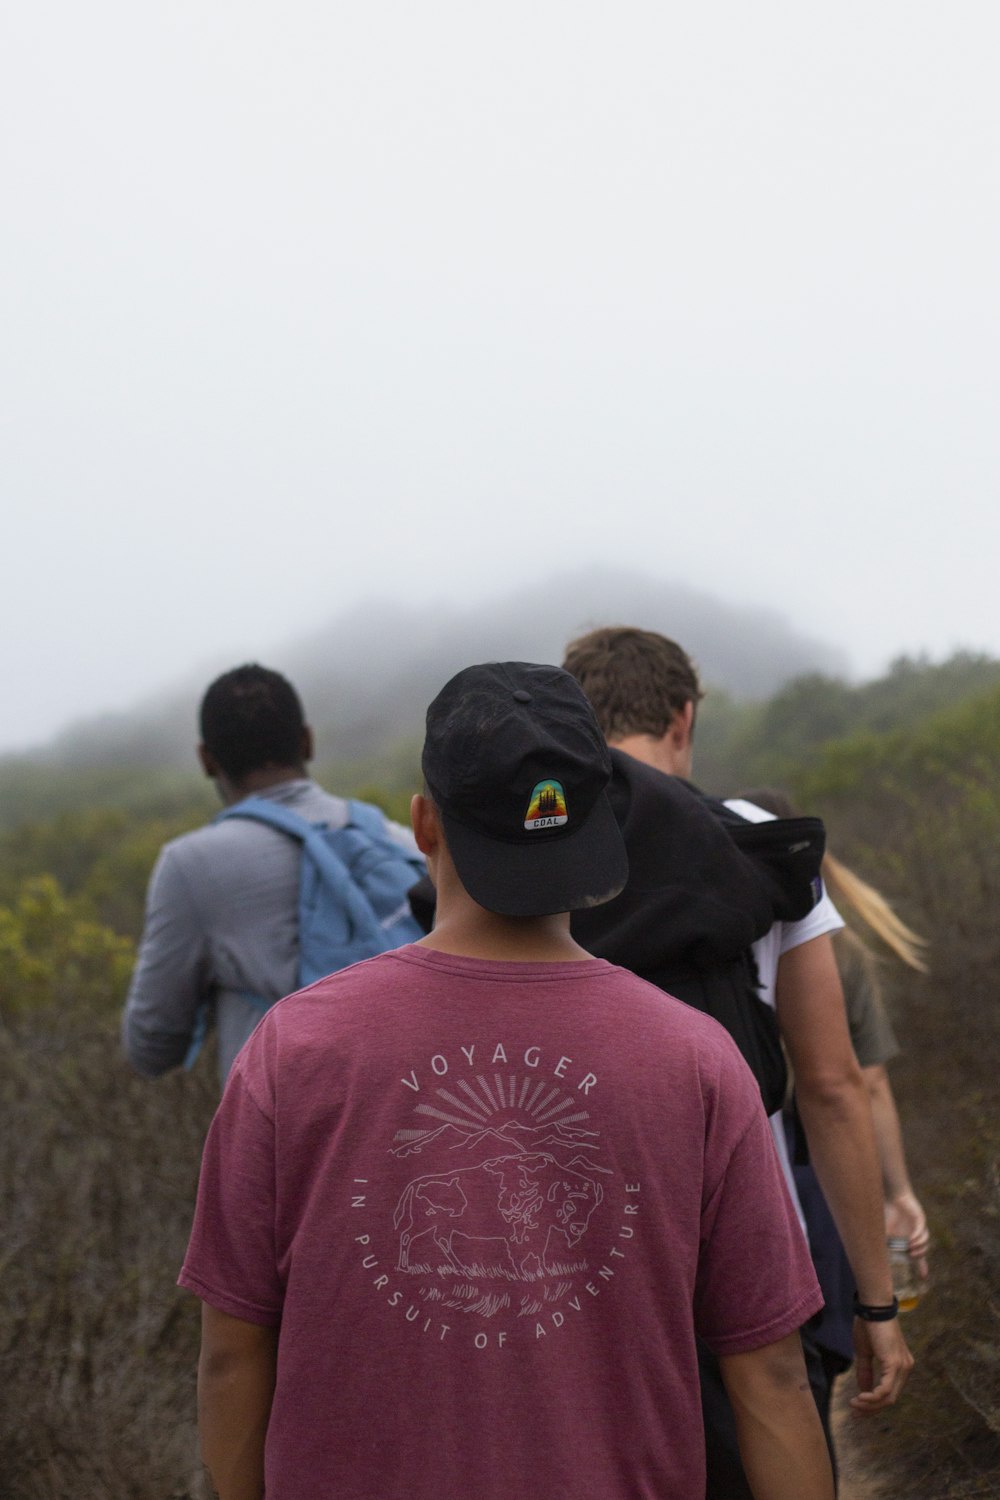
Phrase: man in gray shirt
x=222 y=908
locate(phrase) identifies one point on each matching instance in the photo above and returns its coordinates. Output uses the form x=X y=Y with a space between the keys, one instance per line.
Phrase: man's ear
x=682 y=725
x=308 y=749
x=678 y=742
x=426 y=824
x=209 y=764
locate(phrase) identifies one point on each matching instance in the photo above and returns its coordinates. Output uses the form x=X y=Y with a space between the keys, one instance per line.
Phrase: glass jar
x=906 y=1282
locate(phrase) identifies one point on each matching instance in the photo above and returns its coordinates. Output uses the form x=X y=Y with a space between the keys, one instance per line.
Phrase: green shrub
x=53 y=954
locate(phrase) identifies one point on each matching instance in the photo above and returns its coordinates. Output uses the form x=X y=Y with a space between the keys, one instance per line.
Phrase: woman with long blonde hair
x=864 y=907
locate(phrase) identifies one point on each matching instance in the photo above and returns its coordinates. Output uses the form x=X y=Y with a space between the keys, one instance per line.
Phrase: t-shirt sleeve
x=823 y=918
x=755 y=1280
x=231 y=1261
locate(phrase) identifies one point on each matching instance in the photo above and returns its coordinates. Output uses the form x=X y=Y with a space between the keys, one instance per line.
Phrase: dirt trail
x=854 y=1482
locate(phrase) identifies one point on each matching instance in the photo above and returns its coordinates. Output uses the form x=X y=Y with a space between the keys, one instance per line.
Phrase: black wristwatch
x=870 y=1314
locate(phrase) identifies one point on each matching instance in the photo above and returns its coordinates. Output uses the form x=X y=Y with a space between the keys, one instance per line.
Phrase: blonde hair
x=874 y=910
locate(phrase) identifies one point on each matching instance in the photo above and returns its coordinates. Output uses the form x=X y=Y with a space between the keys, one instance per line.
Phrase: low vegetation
x=920 y=814
x=97 y=1346
x=98 y=1168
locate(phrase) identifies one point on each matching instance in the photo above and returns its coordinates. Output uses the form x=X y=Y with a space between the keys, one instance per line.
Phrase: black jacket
x=703 y=882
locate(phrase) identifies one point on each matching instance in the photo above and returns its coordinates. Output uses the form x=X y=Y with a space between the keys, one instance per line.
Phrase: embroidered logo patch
x=547 y=807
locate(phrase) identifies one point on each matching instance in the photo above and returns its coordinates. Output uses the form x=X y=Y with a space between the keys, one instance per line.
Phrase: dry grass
x=98 y=1347
x=942 y=1441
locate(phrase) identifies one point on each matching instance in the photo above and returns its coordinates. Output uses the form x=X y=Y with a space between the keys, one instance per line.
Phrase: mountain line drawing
x=570 y=1145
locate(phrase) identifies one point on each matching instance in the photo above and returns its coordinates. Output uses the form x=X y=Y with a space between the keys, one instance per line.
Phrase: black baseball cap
x=516 y=763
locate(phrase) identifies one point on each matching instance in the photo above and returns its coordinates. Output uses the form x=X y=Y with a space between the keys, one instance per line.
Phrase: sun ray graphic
x=477 y=1114
x=546 y=1101
x=565 y=1103
x=494 y=1106
x=440 y=1114
x=546 y=1106
x=467 y=1089
x=535 y=1093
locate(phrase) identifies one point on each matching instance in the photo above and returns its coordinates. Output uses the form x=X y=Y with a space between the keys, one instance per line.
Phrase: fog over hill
x=368 y=675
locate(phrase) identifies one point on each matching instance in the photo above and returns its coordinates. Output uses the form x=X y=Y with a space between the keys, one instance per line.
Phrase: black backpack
x=704 y=884
x=728 y=992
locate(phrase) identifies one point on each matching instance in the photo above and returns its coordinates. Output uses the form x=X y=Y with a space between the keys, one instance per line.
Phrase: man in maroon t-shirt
x=465 y=1207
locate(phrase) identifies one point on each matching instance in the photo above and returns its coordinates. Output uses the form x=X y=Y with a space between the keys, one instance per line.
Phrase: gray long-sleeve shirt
x=221 y=922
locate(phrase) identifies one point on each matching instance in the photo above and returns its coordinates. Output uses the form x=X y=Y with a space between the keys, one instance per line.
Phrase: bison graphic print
x=508 y=1201
x=517 y=1216
x=497 y=1224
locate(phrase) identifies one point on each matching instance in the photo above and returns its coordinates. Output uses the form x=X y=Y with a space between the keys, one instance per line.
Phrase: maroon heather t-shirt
x=490 y=1205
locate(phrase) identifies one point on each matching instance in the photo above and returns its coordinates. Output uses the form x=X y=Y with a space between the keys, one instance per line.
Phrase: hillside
x=783 y=738
x=148 y=768
x=367 y=677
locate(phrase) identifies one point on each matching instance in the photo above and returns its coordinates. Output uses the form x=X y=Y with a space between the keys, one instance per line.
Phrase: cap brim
x=565 y=872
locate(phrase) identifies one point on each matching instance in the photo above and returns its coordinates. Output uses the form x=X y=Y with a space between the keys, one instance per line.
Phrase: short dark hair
x=636 y=680
x=250 y=718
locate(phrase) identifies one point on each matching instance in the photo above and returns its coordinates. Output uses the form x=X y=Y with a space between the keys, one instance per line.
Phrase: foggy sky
x=306 y=303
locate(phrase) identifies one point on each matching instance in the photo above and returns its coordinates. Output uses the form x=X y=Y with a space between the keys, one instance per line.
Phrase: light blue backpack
x=353 y=884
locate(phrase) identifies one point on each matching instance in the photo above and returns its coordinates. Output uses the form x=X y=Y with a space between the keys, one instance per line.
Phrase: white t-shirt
x=782 y=938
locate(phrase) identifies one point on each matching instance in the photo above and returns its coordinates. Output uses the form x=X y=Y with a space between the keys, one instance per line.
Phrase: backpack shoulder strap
x=263 y=810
